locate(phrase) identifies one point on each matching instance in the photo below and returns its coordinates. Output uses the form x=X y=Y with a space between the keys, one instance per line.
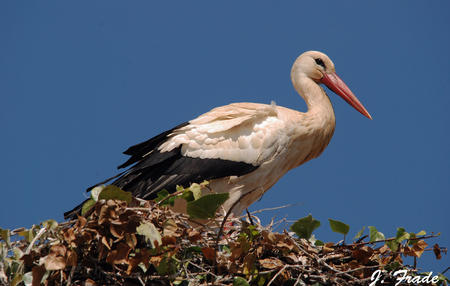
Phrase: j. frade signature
x=403 y=277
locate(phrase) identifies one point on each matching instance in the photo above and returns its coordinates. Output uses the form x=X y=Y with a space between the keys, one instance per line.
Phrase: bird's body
x=241 y=148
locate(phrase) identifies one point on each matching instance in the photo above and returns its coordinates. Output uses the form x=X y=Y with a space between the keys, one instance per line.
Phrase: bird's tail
x=76 y=211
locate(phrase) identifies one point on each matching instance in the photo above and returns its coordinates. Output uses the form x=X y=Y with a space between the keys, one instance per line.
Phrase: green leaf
x=304 y=227
x=6 y=236
x=17 y=279
x=422 y=232
x=112 y=192
x=18 y=253
x=151 y=234
x=194 y=249
x=392 y=266
x=319 y=243
x=412 y=238
x=167 y=266
x=374 y=234
x=358 y=235
x=96 y=191
x=28 y=234
x=162 y=195
x=339 y=226
x=392 y=244
x=401 y=235
x=87 y=206
x=239 y=281
x=50 y=224
x=206 y=206
x=188 y=196
x=196 y=190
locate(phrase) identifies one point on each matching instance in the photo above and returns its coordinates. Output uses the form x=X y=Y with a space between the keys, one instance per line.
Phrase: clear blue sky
x=81 y=81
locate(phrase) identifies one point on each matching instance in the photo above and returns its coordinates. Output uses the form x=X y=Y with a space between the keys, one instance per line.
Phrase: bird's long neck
x=319 y=118
x=319 y=105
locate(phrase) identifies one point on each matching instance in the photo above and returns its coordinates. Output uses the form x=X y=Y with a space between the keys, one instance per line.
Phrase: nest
x=146 y=244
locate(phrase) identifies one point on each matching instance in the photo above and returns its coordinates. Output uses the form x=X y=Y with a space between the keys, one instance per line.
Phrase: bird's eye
x=320 y=62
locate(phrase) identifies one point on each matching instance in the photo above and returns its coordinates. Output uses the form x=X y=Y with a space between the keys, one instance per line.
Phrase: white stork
x=241 y=148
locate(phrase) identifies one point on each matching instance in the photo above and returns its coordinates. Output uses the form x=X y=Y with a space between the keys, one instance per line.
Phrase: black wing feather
x=139 y=150
x=155 y=170
x=167 y=169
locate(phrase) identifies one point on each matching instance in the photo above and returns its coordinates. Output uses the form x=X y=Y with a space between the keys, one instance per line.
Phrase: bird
x=242 y=148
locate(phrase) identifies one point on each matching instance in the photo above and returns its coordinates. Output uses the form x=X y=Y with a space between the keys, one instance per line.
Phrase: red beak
x=335 y=83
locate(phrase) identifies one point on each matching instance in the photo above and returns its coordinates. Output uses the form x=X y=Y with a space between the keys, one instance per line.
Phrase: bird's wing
x=230 y=140
x=241 y=132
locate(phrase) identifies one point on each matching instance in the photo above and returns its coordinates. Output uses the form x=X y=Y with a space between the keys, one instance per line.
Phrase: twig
x=390 y=239
x=201 y=268
x=69 y=279
x=223 y=222
x=41 y=231
x=249 y=217
x=299 y=281
x=170 y=196
x=361 y=268
x=274 y=208
x=138 y=209
x=320 y=261
x=276 y=275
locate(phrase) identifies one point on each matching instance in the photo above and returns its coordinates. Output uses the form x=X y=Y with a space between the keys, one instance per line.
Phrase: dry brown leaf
x=417 y=249
x=326 y=249
x=259 y=251
x=37 y=272
x=156 y=260
x=142 y=256
x=27 y=260
x=102 y=251
x=130 y=240
x=437 y=251
x=285 y=244
x=105 y=242
x=249 y=264
x=329 y=244
x=72 y=258
x=89 y=282
x=81 y=222
x=270 y=263
x=362 y=254
x=236 y=252
x=383 y=249
x=116 y=230
x=168 y=240
x=69 y=235
x=268 y=237
x=398 y=258
x=209 y=253
x=85 y=238
x=291 y=258
x=170 y=228
x=193 y=235
x=119 y=255
x=103 y=215
x=385 y=260
x=56 y=259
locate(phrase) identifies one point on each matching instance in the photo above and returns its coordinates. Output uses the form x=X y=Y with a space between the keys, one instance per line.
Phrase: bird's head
x=318 y=67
